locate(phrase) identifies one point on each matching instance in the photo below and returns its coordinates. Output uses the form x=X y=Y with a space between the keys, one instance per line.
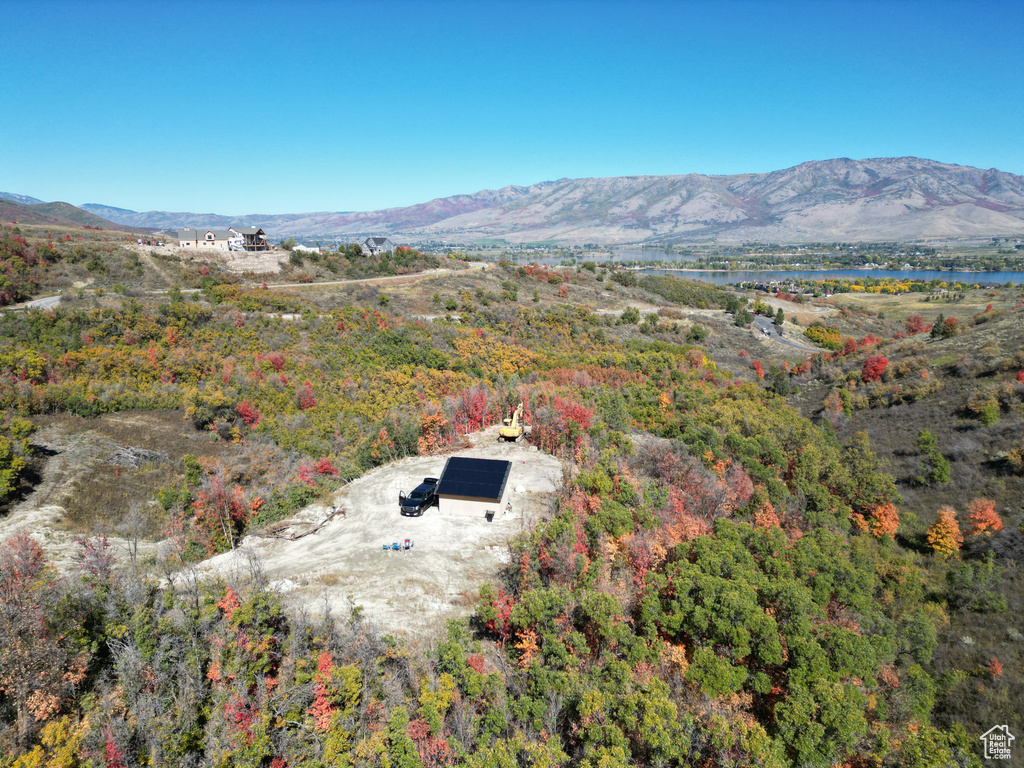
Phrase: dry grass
x=97 y=495
x=329 y=579
x=102 y=496
x=908 y=304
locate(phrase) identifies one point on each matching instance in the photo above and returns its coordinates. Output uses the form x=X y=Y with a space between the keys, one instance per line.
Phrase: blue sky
x=274 y=107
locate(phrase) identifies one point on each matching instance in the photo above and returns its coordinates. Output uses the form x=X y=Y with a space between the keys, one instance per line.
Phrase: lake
x=755 y=275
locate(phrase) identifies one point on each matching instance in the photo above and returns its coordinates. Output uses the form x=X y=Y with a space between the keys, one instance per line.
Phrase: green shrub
x=696 y=334
x=630 y=316
x=623 y=277
x=989 y=414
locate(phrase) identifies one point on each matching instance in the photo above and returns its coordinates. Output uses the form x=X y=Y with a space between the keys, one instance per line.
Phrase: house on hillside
x=374 y=245
x=231 y=239
x=473 y=487
x=205 y=238
x=253 y=238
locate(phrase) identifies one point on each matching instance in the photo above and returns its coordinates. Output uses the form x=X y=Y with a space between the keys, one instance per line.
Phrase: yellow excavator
x=510 y=428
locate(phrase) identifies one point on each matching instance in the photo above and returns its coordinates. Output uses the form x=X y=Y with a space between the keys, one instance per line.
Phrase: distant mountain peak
x=22 y=199
x=95 y=207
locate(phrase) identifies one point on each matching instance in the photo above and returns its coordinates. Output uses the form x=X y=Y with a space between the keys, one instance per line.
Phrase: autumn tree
x=832 y=408
x=39 y=661
x=881 y=521
x=944 y=535
x=983 y=518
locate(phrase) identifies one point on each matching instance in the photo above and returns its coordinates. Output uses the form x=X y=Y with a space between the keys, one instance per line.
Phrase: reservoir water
x=757 y=275
x=721 y=278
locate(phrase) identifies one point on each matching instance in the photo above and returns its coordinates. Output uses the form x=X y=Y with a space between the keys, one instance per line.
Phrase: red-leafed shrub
x=306 y=397
x=981 y=513
x=496 y=611
x=473 y=409
x=561 y=424
x=218 y=517
x=325 y=468
x=874 y=367
x=573 y=413
x=915 y=324
x=247 y=412
x=322 y=709
x=869 y=340
x=113 y=757
x=276 y=359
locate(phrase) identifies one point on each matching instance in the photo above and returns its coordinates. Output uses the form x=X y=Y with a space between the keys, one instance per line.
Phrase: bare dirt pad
x=343 y=564
x=261 y=262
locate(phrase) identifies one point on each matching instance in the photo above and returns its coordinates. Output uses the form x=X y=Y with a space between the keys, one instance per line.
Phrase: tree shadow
x=916 y=542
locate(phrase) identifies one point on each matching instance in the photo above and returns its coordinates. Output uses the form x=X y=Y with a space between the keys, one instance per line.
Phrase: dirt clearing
x=343 y=565
x=74 y=488
x=255 y=262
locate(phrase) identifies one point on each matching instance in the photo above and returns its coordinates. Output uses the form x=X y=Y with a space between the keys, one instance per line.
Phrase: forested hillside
x=723 y=581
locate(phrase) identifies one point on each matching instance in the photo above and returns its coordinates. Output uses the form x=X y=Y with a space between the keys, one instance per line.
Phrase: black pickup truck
x=422 y=497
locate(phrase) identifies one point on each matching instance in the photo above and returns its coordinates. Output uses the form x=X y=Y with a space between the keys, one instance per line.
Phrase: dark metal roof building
x=475 y=488
x=478 y=479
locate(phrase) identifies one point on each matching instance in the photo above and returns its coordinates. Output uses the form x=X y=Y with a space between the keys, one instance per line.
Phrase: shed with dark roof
x=473 y=487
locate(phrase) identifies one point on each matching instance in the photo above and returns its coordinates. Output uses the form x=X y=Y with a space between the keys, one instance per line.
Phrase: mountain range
x=902 y=198
x=49 y=214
